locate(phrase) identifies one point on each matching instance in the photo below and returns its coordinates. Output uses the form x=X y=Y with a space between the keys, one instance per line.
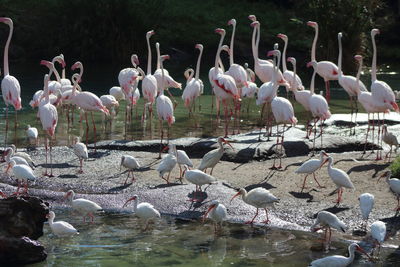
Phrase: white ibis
x=310 y=167
x=23 y=155
x=131 y=164
x=211 y=159
x=144 y=210
x=366 y=205
x=339 y=177
x=9 y=155
x=24 y=173
x=81 y=152
x=167 y=164
x=198 y=178
x=394 y=185
x=378 y=233
x=339 y=260
x=60 y=228
x=258 y=197
x=182 y=157
x=216 y=212
x=391 y=140
x=83 y=206
x=32 y=133
x=328 y=220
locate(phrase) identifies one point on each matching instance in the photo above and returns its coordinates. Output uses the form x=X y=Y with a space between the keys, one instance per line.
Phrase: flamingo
x=328 y=220
x=259 y=198
x=10 y=88
x=165 y=109
x=211 y=158
x=22 y=173
x=131 y=163
x=339 y=260
x=81 y=152
x=37 y=96
x=81 y=205
x=117 y=93
x=167 y=164
x=198 y=178
x=64 y=81
x=339 y=178
x=32 y=133
x=60 y=228
x=88 y=102
x=263 y=68
x=194 y=87
x=56 y=85
x=282 y=110
x=378 y=233
x=224 y=85
x=291 y=77
x=394 y=185
x=366 y=205
x=250 y=88
x=326 y=69
x=49 y=117
x=110 y=103
x=149 y=83
x=318 y=105
x=182 y=157
x=391 y=140
x=350 y=84
x=310 y=167
x=144 y=210
x=216 y=212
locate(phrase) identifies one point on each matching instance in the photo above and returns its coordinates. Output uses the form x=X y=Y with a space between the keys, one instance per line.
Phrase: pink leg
x=94 y=130
x=51 y=158
x=251 y=222
x=328 y=91
x=87 y=128
x=315 y=178
x=46 y=147
x=266 y=214
x=304 y=183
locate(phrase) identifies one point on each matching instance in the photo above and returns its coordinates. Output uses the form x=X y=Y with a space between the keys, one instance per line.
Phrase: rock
x=21 y=220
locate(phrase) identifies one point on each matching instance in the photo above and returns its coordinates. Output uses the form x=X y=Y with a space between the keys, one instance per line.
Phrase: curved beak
x=325 y=161
x=382 y=175
x=8 y=168
x=208 y=211
x=226 y=142
x=238 y=193
x=360 y=249
x=132 y=198
x=309 y=64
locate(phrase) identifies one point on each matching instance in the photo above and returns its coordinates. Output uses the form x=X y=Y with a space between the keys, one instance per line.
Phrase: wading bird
x=216 y=212
x=310 y=167
x=198 y=178
x=328 y=220
x=211 y=159
x=339 y=260
x=131 y=163
x=83 y=206
x=60 y=228
x=366 y=205
x=81 y=152
x=394 y=185
x=144 y=210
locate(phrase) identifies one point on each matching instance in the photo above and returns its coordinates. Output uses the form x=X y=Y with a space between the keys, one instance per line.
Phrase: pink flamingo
x=318 y=105
x=349 y=84
x=224 y=85
x=194 y=86
x=10 y=87
x=326 y=69
x=382 y=93
x=88 y=102
x=149 y=83
x=49 y=117
x=281 y=108
x=165 y=108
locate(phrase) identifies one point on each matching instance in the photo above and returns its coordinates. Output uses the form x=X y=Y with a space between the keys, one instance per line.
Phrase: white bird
x=391 y=140
x=131 y=164
x=211 y=159
x=328 y=220
x=32 y=133
x=339 y=177
x=182 y=157
x=83 y=206
x=258 y=197
x=144 y=210
x=167 y=164
x=60 y=228
x=167 y=81
x=378 y=233
x=23 y=155
x=80 y=151
x=366 y=205
x=198 y=178
x=338 y=260
x=394 y=185
x=216 y=212
x=9 y=156
x=22 y=173
x=235 y=70
x=310 y=167
x=117 y=93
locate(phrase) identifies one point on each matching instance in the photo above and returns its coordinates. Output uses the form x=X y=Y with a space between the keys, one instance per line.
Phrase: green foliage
x=395 y=167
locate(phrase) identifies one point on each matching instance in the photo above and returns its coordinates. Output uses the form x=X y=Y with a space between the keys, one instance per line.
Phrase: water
x=118 y=240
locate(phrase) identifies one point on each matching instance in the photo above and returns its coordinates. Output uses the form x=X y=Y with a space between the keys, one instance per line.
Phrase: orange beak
x=8 y=167
x=238 y=193
x=380 y=177
x=323 y=163
x=360 y=249
x=165 y=149
x=132 y=198
x=208 y=211
x=226 y=142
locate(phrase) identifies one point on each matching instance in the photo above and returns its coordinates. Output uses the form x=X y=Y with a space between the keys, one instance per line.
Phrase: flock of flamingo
x=229 y=87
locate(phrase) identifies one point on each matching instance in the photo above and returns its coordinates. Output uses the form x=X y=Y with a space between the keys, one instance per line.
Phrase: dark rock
x=21 y=221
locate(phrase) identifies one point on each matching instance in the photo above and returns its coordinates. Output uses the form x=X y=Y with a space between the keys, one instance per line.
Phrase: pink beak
x=208 y=211
x=238 y=193
x=132 y=198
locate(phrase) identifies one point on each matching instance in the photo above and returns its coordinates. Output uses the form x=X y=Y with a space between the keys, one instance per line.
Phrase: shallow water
x=118 y=240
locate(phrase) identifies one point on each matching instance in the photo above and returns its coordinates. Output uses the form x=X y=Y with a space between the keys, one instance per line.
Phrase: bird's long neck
x=351 y=256
x=51 y=220
x=6 y=68
x=294 y=77
x=373 y=71
x=158 y=57
x=63 y=73
x=284 y=56
x=313 y=82
x=162 y=77
x=358 y=77
x=148 y=56
x=253 y=44
x=58 y=78
x=258 y=38
x=198 y=65
x=139 y=69
x=231 y=45
x=46 y=89
x=340 y=55
x=75 y=84
x=314 y=44
x=217 y=58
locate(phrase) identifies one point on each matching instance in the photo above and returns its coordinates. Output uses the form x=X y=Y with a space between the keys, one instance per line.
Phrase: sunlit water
x=118 y=240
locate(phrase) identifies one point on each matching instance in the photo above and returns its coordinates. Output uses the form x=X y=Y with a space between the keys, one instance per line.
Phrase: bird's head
x=356 y=247
x=291 y=60
x=150 y=33
x=212 y=206
x=312 y=24
x=77 y=65
x=375 y=32
x=358 y=58
x=50 y=215
x=222 y=140
x=69 y=195
x=226 y=49
x=130 y=199
x=386 y=174
x=220 y=31
x=252 y=17
x=240 y=192
x=76 y=78
x=60 y=59
x=312 y=64
x=282 y=36
x=47 y=64
x=199 y=46
x=325 y=161
x=255 y=24
x=232 y=22
x=7 y=21
x=135 y=60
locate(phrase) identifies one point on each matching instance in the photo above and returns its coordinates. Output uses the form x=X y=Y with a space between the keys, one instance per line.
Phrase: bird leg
x=315 y=178
x=304 y=183
x=211 y=170
x=80 y=166
x=126 y=180
x=51 y=158
x=322 y=122
x=340 y=191
x=398 y=203
x=276 y=145
x=226 y=117
x=161 y=138
x=378 y=156
x=15 y=128
x=46 y=147
x=94 y=129
x=328 y=91
x=6 y=130
x=366 y=136
x=266 y=214
x=251 y=222
x=87 y=128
